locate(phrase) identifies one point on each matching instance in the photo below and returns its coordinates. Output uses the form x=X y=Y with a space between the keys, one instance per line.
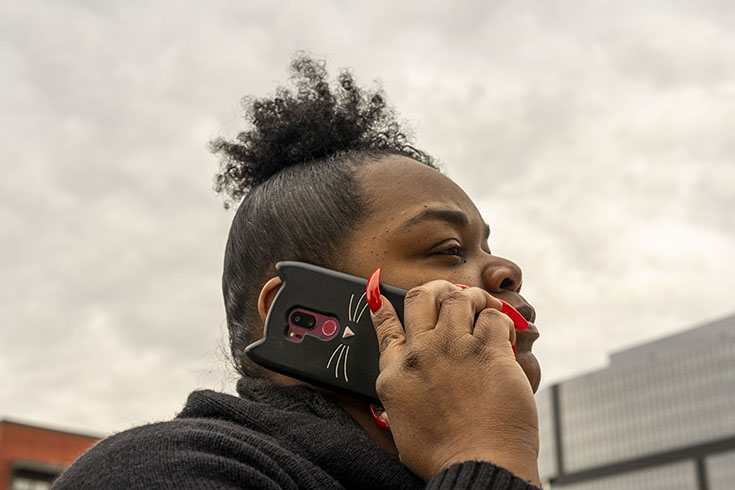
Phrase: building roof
x=45 y=428
x=706 y=334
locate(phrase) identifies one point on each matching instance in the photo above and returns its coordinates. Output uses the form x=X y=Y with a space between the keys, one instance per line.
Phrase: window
x=31 y=480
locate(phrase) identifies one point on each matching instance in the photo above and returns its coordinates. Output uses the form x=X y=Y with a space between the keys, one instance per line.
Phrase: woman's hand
x=450 y=384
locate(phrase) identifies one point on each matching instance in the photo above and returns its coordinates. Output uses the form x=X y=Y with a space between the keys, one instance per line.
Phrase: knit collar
x=297 y=398
x=311 y=425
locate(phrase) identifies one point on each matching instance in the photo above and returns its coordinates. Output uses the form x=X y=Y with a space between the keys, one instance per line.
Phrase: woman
x=326 y=176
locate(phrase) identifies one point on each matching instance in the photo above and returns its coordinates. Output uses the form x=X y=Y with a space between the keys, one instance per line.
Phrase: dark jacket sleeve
x=178 y=456
x=200 y=454
x=475 y=475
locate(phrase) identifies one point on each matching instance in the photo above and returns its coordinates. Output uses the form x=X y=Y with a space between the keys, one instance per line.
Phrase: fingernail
x=460 y=286
x=515 y=354
x=373 y=291
x=518 y=321
x=376 y=417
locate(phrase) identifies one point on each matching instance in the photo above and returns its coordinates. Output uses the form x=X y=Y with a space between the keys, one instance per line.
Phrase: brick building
x=32 y=457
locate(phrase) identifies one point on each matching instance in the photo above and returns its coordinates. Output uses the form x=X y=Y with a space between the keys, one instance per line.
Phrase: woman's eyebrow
x=457 y=218
x=453 y=217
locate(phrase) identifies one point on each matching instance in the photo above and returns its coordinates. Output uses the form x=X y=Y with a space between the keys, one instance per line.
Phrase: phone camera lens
x=303 y=320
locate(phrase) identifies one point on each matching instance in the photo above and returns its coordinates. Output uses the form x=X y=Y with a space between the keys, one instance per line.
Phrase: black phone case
x=348 y=362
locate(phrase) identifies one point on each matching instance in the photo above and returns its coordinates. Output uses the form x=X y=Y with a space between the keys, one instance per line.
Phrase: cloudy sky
x=595 y=136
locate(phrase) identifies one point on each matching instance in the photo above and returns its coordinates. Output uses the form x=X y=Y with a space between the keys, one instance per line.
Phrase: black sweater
x=271 y=437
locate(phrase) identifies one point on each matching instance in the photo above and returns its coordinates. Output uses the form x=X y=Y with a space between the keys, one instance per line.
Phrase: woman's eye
x=453 y=251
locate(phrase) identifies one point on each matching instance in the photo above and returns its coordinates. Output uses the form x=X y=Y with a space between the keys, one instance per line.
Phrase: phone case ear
x=291 y=271
x=341 y=352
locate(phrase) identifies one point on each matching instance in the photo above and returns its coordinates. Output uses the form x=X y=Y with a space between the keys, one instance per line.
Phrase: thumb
x=388 y=327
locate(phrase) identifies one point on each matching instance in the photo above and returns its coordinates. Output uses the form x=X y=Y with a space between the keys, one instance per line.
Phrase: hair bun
x=309 y=121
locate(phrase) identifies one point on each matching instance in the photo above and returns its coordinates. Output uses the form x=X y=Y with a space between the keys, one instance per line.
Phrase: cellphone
x=318 y=330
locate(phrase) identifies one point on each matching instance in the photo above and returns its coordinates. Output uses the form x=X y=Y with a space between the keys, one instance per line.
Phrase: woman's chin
x=531 y=367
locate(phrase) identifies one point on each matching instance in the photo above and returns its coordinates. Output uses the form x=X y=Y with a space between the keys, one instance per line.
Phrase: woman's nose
x=502 y=275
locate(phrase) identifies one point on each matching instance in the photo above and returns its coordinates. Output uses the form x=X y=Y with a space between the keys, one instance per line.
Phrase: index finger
x=422 y=304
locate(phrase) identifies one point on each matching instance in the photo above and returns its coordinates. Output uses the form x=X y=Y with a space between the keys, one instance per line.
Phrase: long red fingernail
x=460 y=286
x=373 y=291
x=514 y=351
x=377 y=418
x=518 y=321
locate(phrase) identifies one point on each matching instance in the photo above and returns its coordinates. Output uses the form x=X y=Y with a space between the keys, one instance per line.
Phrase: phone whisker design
x=317 y=331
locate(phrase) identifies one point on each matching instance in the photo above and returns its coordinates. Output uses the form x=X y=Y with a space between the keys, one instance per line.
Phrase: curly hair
x=293 y=171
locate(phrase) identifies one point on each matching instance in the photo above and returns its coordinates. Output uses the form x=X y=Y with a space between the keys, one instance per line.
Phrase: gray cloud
x=595 y=140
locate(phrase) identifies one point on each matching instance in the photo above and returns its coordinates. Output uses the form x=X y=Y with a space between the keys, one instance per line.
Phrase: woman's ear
x=267 y=295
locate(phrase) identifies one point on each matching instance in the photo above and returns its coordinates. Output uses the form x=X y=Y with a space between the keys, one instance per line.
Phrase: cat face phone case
x=319 y=330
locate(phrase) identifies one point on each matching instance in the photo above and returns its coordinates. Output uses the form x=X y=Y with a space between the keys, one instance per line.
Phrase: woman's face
x=420 y=226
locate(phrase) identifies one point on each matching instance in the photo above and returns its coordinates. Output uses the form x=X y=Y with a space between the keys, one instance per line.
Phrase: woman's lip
x=531 y=331
x=519 y=320
x=526 y=338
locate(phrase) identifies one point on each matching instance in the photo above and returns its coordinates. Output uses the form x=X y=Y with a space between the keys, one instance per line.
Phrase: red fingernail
x=518 y=321
x=460 y=286
x=514 y=351
x=376 y=418
x=373 y=291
